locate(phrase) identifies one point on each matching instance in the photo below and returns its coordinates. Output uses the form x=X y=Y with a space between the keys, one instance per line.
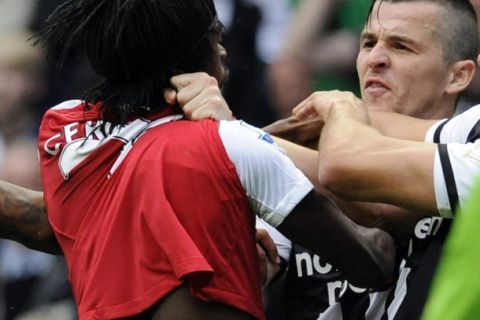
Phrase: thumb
x=170 y=96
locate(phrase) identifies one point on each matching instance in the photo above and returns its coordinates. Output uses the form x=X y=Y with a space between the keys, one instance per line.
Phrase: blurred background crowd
x=279 y=51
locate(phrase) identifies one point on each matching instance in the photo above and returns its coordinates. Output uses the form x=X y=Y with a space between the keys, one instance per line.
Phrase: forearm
x=357 y=162
x=397 y=221
x=400 y=126
x=23 y=218
x=307 y=132
x=304 y=159
x=364 y=256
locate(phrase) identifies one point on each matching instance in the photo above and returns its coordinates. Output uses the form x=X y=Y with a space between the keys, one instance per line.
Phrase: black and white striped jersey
x=457 y=160
x=315 y=290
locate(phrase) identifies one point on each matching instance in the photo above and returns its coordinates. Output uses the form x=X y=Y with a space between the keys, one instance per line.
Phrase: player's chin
x=379 y=104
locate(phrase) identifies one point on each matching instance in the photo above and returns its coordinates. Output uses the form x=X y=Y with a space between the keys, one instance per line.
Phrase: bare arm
x=314 y=223
x=365 y=256
x=395 y=125
x=23 y=218
x=357 y=162
x=360 y=186
x=304 y=159
x=307 y=132
x=366 y=166
x=377 y=165
x=397 y=221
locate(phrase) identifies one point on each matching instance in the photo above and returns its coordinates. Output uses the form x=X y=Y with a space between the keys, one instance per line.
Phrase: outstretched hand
x=199 y=96
x=308 y=119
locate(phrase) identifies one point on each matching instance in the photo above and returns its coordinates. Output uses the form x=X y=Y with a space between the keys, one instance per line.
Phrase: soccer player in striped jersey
x=425 y=166
x=415 y=58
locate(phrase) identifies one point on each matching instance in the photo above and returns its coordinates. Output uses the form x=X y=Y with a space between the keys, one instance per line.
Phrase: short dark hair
x=136 y=45
x=458 y=28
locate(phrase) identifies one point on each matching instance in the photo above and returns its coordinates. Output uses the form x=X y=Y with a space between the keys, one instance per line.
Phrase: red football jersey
x=144 y=209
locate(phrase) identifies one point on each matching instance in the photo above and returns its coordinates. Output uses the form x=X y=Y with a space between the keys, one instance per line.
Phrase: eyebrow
x=390 y=38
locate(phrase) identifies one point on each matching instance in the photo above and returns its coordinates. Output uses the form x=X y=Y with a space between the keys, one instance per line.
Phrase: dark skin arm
x=302 y=132
x=23 y=218
x=365 y=256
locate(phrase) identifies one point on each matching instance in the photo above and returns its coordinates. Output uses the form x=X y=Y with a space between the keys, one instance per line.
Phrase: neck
x=444 y=108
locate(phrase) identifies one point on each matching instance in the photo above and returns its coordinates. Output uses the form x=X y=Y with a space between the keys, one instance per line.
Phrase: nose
x=378 y=58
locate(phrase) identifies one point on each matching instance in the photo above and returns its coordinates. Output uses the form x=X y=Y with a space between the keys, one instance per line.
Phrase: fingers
x=190 y=85
x=204 y=102
x=200 y=97
x=263 y=264
x=184 y=80
x=208 y=104
x=266 y=242
x=304 y=110
x=320 y=103
x=170 y=96
x=178 y=82
x=268 y=269
x=272 y=271
x=307 y=108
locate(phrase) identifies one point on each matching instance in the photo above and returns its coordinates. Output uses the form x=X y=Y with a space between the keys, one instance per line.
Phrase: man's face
x=400 y=63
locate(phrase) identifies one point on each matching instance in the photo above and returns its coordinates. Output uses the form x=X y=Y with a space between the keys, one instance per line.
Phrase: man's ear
x=462 y=73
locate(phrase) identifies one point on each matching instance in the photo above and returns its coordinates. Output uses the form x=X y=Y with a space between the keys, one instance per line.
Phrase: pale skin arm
x=398 y=221
x=358 y=162
x=399 y=126
x=306 y=132
x=374 y=160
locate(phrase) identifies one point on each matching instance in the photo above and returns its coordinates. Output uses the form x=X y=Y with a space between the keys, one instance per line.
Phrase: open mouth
x=376 y=86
